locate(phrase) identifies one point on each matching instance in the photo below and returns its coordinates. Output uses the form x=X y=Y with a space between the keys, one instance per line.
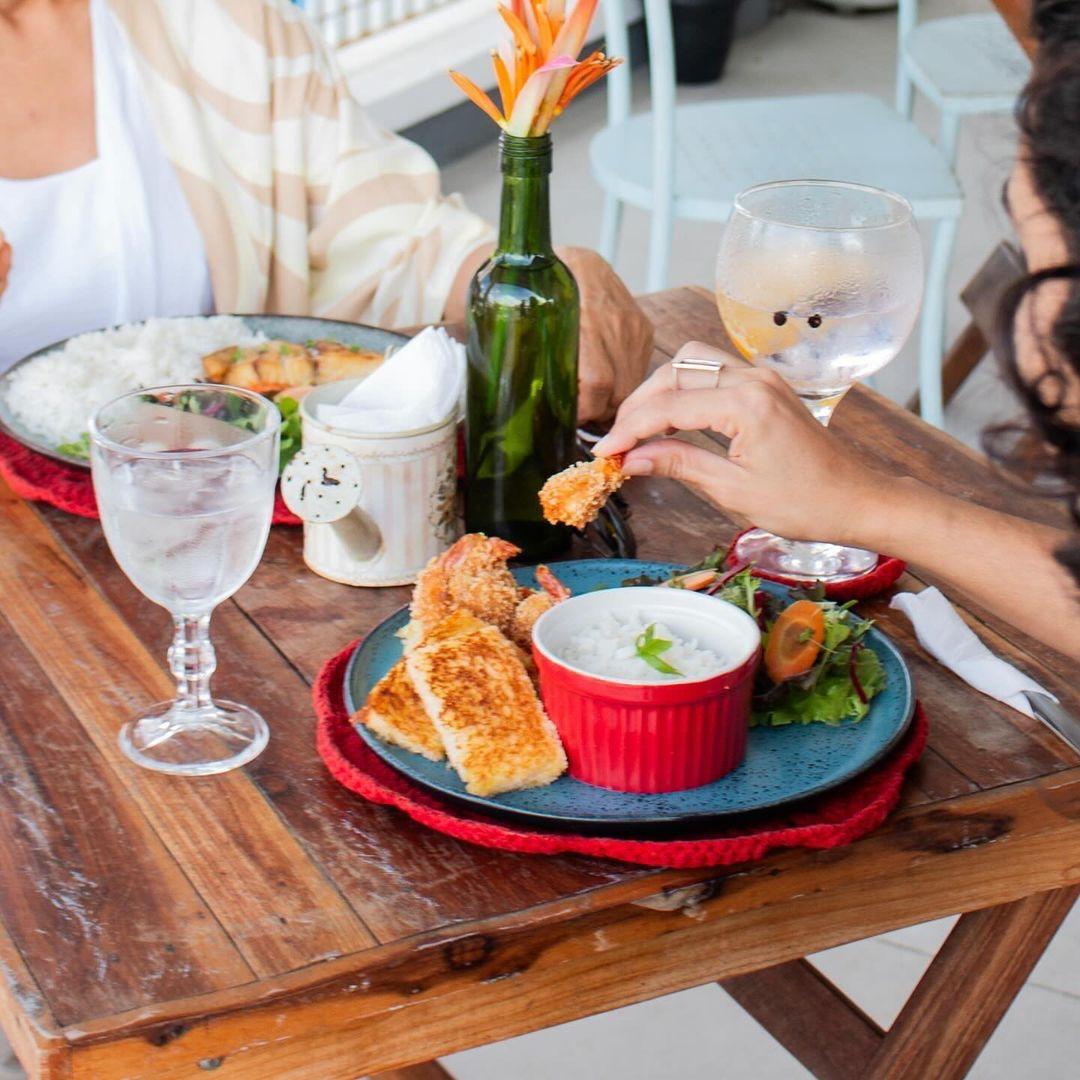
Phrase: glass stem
x=192 y=661
x=822 y=409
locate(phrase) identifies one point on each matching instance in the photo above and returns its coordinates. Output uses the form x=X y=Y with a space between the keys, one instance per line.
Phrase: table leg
x=969 y=987
x=946 y=1022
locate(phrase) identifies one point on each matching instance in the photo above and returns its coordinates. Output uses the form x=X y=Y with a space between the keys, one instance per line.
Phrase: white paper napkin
x=943 y=634
x=419 y=385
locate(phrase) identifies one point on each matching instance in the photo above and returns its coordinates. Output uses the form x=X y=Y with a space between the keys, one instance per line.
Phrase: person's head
x=1040 y=337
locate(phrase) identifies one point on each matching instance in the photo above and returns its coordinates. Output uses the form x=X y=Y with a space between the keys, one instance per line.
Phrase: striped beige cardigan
x=304 y=205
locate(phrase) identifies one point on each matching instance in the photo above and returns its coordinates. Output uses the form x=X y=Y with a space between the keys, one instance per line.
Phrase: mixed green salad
x=817 y=666
x=235 y=410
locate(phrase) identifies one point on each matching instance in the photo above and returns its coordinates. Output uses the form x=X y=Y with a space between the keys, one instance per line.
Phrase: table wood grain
x=268 y=923
x=1017 y=14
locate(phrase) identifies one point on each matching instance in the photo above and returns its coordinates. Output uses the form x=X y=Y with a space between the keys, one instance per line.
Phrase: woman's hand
x=5 y=262
x=783 y=470
x=616 y=336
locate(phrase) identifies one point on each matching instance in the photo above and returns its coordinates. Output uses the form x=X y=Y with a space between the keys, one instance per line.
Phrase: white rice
x=608 y=647
x=55 y=395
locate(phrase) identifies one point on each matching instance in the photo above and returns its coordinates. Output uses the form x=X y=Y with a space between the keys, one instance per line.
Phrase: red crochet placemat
x=39 y=478
x=830 y=820
x=876 y=580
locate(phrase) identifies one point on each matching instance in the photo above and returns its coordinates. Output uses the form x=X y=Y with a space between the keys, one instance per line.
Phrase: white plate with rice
x=47 y=398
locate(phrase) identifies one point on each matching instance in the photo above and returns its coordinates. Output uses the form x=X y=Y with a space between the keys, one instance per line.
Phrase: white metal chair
x=963 y=64
x=691 y=161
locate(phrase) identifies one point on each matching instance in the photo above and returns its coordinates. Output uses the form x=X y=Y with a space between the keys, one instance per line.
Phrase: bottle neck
x=525 y=215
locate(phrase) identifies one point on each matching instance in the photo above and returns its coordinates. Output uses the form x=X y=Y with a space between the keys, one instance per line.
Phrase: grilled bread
x=577 y=494
x=478 y=695
x=395 y=713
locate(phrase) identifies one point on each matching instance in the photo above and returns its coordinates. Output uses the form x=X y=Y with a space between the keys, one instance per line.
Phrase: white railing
x=344 y=21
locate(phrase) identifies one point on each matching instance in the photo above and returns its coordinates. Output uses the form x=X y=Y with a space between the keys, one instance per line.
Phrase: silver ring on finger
x=683 y=368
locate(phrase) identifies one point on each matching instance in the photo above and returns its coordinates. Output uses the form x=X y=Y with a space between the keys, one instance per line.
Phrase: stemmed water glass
x=184 y=478
x=821 y=281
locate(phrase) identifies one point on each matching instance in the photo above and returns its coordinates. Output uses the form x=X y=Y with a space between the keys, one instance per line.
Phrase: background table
x=269 y=924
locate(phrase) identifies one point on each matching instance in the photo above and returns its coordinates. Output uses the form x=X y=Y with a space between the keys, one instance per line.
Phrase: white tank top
x=109 y=242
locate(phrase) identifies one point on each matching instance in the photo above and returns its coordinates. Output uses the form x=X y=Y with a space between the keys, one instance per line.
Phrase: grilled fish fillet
x=335 y=361
x=273 y=366
x=576 y=495
x=479 y=697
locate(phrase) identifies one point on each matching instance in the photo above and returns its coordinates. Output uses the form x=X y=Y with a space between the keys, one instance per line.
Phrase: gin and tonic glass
x=184 y=478
x=821 y=281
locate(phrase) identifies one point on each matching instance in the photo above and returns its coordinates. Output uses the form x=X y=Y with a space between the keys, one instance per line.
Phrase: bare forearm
x=1003 y=562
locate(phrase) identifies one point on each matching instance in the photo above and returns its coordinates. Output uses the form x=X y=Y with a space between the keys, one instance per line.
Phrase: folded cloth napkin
x=419 y=385
x=943 y=634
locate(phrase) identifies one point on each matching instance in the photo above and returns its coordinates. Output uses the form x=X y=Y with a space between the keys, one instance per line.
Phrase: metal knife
x=1063 y=723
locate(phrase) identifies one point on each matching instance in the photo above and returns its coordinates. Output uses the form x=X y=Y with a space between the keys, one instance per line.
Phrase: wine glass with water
x=821 y=281
x=184 y=478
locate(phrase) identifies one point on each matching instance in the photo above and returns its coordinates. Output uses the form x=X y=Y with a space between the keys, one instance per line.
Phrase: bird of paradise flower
x=538 y=71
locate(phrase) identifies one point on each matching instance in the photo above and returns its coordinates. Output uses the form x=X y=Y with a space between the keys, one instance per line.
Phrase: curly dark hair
x=1047 y=451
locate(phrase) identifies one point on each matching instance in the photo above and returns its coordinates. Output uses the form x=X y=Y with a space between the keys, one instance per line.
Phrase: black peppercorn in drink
x=820 y=338
x=820 y=281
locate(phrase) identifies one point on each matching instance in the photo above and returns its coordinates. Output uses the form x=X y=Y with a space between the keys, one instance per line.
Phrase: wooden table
x=269 y=924
x=1017 y=13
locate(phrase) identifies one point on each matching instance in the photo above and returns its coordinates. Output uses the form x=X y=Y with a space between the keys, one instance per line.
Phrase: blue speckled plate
x=783 y=765
x=298 y=328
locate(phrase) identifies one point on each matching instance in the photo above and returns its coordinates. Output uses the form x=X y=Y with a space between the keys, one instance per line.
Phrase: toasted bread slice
x=479 y=697
x=395 y=713
x=393 y=709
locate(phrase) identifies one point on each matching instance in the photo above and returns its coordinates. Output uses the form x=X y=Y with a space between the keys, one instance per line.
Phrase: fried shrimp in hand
x=533 y=604
x=471 y=575
x=576 y=495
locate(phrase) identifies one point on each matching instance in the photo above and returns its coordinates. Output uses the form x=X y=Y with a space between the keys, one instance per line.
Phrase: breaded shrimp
x=576 y=495
x=533 y=604
x=471 y=575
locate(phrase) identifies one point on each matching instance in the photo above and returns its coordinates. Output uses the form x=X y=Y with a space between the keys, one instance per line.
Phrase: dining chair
x=690 y=161
x=962 y=64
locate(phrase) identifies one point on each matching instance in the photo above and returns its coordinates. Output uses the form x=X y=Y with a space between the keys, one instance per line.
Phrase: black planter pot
x=703 y=31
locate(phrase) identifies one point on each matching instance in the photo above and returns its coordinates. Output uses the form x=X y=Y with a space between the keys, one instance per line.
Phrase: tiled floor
x=702 y=1034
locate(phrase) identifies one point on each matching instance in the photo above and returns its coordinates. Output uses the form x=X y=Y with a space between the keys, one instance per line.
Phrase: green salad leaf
x=77 y=448
x=839 y=687
x=290 y=430
x=832 y=698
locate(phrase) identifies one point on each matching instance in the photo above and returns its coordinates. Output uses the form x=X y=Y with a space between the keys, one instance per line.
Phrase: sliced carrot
x=794 y=641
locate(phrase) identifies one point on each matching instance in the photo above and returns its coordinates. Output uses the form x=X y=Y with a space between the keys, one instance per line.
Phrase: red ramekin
x=650 y=736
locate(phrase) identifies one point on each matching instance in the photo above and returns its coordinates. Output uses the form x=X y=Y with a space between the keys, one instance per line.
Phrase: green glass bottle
x=523 y=315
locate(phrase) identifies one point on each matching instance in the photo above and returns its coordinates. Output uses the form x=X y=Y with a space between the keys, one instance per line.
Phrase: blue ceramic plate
x=782 y=764
x=285 y=327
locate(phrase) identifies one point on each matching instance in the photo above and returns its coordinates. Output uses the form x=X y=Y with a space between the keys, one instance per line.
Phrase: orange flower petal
x=517 y=28
x=477 y=97
x=583 y=78
x=543 y=26
x=571 y=37
x=506 y=87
